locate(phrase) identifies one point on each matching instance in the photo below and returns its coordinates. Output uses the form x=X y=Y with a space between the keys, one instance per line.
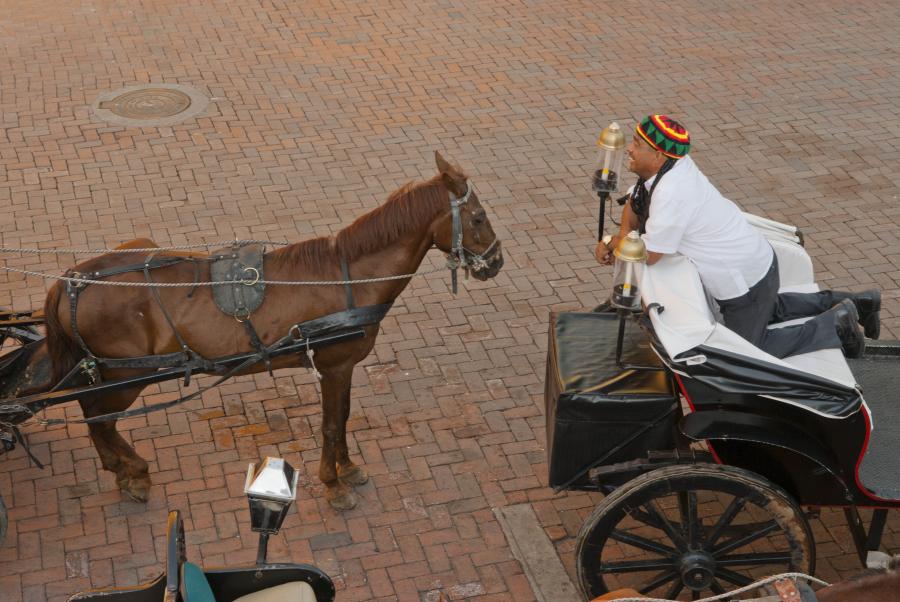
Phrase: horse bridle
x=459 y=256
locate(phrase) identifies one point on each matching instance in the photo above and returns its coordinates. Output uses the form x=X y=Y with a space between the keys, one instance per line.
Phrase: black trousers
x=750 y=314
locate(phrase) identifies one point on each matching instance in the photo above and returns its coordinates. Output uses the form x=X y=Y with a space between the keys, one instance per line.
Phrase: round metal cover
x=150 y=105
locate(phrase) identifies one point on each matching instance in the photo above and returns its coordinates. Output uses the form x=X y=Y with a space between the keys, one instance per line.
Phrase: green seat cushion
x=196 y=587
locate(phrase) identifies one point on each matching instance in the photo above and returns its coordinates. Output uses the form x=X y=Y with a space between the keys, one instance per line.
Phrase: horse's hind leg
x=116 y=455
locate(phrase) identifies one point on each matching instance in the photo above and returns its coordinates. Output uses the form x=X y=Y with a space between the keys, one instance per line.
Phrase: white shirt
x=690 y=217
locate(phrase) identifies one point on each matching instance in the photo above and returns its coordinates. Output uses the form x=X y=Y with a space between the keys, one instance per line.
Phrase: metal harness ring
x=255 y=274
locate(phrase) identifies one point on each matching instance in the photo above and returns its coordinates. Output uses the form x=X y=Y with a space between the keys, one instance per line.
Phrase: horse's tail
x=63 y=350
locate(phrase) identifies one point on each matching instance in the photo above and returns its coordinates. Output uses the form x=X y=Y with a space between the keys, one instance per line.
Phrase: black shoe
x=868 y=305
x=846 y=320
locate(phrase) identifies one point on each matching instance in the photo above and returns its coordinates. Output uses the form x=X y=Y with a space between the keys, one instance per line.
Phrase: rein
x=458 y=257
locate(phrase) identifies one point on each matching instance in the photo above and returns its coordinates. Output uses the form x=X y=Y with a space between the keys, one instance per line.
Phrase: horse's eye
x=478 y=219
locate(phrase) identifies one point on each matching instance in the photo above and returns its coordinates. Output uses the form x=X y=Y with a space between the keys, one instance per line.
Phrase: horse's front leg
x=347 y=471
x=335 y=387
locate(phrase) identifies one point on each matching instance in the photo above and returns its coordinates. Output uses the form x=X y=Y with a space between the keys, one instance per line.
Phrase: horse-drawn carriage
x=707 y=448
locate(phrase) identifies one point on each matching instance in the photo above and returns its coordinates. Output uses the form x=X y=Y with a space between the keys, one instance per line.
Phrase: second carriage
x=712 y=454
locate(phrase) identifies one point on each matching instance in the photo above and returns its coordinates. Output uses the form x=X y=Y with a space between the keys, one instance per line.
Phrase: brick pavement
x=319 y=109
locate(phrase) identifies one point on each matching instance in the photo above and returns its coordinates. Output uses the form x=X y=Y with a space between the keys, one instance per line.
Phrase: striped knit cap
x=665 y=135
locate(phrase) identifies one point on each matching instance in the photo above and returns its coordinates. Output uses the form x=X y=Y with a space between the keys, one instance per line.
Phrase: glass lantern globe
x=631 y=257
x=608 y=165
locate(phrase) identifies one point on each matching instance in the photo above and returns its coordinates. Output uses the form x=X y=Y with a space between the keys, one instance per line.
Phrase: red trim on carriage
x=687 y=398
x=862 y=453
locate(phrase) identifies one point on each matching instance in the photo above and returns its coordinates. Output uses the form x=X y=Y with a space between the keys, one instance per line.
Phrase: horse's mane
x=406 y=210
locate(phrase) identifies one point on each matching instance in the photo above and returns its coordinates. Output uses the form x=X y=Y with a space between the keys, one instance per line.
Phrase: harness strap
x=358 y=316
x=88 y=364
x=345 y=274
x=258 y=345
x=21 y=439
x=188 y=353
x=341 y=321
x=152 y=261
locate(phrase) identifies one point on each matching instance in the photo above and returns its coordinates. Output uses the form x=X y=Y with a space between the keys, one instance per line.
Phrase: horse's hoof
x=353 y=475
x=138 y=490
x=341 y=497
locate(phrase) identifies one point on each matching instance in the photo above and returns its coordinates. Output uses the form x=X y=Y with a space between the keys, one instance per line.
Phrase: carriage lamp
x=608 y=167
x=271 y=489
x=631 y=255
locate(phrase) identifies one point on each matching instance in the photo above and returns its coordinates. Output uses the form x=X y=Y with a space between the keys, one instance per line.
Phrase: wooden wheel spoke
x=732 y=577
x=675 y=590
x=634 y=566
x=736 y=505
x=658 y=581
x=716 y=587
x=740 y=542
x=690 y=523
x=642 y=542
x=673 y=533
x=751 y=559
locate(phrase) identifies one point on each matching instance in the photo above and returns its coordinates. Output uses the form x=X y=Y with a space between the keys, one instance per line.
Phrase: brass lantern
x=608 y=166
x=631 y=256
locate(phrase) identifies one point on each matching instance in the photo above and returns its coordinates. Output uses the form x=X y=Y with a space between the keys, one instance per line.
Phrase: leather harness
x=238 y=297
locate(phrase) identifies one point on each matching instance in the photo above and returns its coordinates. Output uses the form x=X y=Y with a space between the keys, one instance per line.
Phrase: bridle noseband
x=459 y=256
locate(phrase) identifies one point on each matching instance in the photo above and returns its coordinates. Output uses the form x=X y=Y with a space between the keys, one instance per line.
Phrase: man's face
x=643 y=159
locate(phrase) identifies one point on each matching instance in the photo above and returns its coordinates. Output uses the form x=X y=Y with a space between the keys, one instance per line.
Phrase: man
x=677 y=210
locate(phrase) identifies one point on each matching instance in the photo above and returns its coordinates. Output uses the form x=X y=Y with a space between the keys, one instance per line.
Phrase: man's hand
x=603 y=254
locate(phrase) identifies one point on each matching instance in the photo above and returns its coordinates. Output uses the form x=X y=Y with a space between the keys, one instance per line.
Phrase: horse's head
x=465 y=232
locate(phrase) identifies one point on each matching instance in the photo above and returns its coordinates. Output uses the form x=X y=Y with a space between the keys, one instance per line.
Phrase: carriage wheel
x=680 y=531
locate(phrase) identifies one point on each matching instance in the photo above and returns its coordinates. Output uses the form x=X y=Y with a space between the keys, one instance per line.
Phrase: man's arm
x=603 y=252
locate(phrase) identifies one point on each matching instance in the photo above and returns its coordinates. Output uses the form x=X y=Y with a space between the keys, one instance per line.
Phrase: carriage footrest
x=625 y=471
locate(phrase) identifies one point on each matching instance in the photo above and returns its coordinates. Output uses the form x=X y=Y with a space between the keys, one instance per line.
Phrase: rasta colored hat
x=665 y=135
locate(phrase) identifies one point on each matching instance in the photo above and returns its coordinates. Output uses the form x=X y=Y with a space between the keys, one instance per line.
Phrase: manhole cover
x=150 y=105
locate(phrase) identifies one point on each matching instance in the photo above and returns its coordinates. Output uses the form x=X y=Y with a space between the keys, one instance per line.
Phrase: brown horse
x=872 y=586
x=128 y=322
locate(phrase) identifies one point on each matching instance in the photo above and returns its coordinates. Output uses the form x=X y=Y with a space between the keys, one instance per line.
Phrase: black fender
x=773 y=432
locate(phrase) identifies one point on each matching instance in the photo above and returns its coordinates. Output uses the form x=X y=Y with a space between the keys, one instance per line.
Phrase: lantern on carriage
x=631 y=255
x=270 y=489
x=607 y=167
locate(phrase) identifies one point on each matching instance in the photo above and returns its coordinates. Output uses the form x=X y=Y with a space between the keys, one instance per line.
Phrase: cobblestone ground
x=318 y=111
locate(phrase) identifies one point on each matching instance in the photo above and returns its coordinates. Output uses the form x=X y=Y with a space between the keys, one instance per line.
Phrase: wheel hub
x=697 y=570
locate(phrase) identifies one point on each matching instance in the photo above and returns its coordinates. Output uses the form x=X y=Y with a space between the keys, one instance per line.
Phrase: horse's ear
x=453 y=180
x=441 y=163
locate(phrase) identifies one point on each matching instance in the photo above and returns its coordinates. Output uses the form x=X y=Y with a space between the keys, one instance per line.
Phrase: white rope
x=736 y=592
x=228 y=243
x=227 y=282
